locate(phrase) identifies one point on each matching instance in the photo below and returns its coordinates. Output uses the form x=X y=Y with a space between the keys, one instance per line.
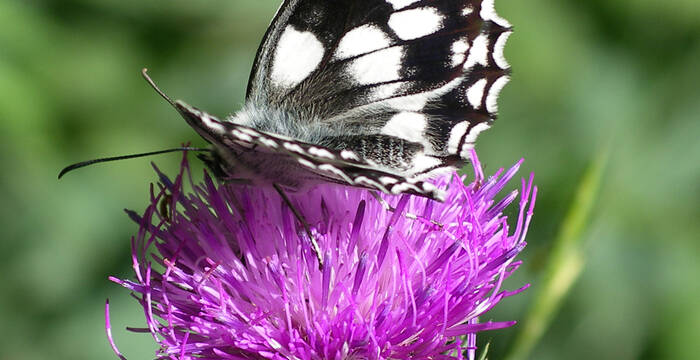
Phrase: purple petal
x=229 y=273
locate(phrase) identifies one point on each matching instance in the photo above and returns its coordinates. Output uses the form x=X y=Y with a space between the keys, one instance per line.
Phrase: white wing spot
x=367 y=181
x=459 y=48
x=297 y=55
x=478 y=53
x=377 y=67
x=387 y=180
x=253 y=133
x=402 y=187
x=306 y=163
x=385 y=91
x=475 y=93
x=488 y=12
x=456 y=135
x=406 y=125
x=429 y=187
x=268 y=142
x=349 y=155
x=241 y=136
x=361 y=40
x=294 y=148
x=457 y=59
x=321 y=153
x=467 y=10
x=500 y=45
x=332 y=169
x=494 y=91
x=212 y=124
x=424 y=162
x=415 y=23
x=471 y=137
x=400 y=4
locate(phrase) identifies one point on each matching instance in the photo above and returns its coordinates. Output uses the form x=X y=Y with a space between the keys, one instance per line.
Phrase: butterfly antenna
x=124 y=157
x=155 y=87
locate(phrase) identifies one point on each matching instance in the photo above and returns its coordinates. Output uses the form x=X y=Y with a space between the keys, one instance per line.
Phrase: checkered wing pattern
x=382 y=94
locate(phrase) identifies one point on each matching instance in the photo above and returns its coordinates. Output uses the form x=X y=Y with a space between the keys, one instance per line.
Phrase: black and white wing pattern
x=245 y=153
x=381 y=94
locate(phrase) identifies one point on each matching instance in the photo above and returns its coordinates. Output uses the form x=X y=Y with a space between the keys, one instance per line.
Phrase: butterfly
x=378 y=94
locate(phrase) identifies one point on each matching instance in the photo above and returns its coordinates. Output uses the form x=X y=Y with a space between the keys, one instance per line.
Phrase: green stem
x=566 y=261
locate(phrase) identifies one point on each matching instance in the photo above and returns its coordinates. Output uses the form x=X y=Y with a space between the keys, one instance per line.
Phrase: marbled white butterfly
x=380 y=94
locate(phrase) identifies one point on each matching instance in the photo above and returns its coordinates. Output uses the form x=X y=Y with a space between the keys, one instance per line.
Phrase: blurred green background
x=586 y=74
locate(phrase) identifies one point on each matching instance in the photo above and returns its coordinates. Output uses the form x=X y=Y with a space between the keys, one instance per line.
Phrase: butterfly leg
x=304 y=223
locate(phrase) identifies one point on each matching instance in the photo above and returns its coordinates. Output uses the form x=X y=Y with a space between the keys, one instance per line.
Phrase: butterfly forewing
x=400 y=87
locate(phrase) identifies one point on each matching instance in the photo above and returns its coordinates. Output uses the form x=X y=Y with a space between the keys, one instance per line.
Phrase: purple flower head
x=226 y=271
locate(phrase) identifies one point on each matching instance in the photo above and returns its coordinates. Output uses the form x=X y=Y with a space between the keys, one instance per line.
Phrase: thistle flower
x=227 y=272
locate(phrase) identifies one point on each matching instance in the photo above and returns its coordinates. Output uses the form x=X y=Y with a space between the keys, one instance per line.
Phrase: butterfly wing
x=339 y=166
x=371 y=93
x=422 y=72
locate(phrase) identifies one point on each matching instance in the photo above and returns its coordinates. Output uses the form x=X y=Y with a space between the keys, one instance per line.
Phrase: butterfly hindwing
x=330 y=165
